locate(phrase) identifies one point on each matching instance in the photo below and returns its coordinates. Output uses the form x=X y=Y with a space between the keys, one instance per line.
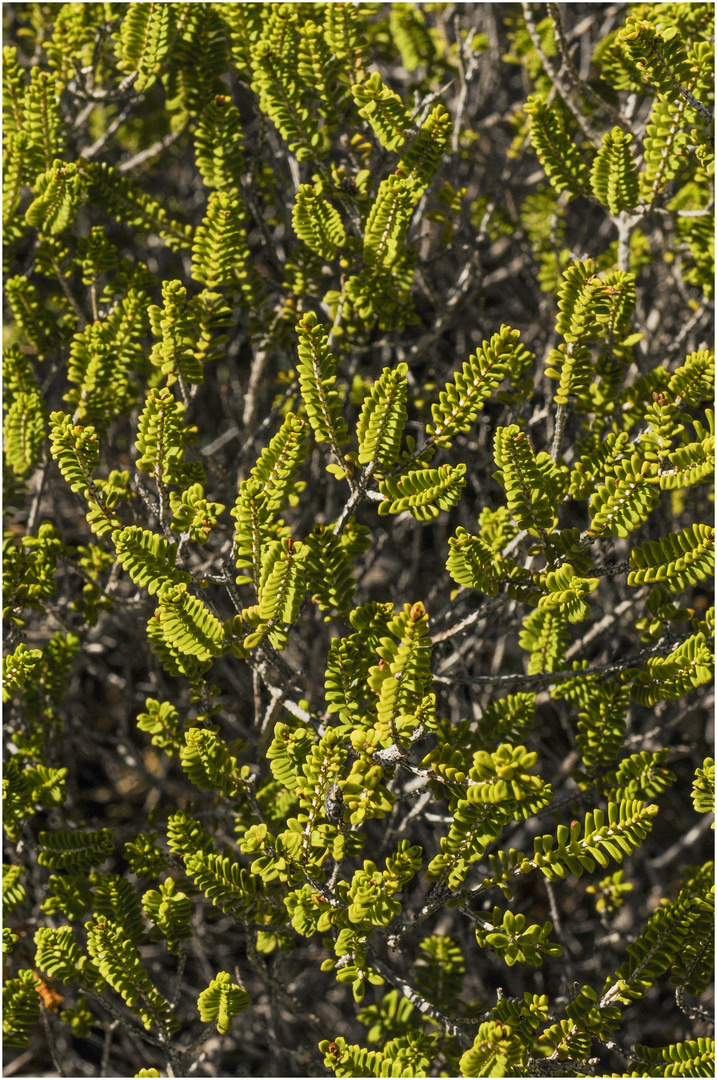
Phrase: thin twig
x=682 y=90
x=558 y=82
x=417 y=1000
x=687 y=841
x=152 y=151
x=483 y=612
x=356 y=496
x=661 y=649
x=82 y=321
x=50 y=1036
x=258 y=964
x=90 y=151
x=567 y=973
x=582 y=87
x=37 y=498
x=107 y=1046
x=561 y=416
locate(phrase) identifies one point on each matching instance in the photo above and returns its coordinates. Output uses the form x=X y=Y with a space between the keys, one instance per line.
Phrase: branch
x=152 y=151
x=561 y=416
x=661 y=649
x=557 y=80
x=418 y=1001
x=355 y=498
x=90 y=151
x=570 y=69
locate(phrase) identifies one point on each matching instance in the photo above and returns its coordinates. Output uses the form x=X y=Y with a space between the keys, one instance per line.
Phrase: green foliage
x=388 y=221
x=693 y=381
x=118 y=963
x=54 y=205
x=124 y=201
x=353 y=1060
x=411 y=35
x=662 y=941
x=316 y=222
x=116 y=899
x=556 y=151
x=610 y=892
x=41 y=118
x=676 y=561
x=566 y=593
x=21 y=1008
x=629 y=821
x=532 y=484
x=614 y=175
x=309 y=740
x=624 y=501
x=703 y=788
x=162 y=438
x=74 y=851
x=501 y=1045
x=76 y=450
x=472 y=563
x=280 y=592
x=17 y=668
x=234 y=889
x=317 y=378
x=545 y=637
x=219 y=145
x=422 y=158
x=59 y=955
x=423 y=492
x=101 y=370
x=186 y=624
x=280 y=88
x=384 y=111
x=506 y=719
x=508 y=937
x=221 y=1001
x=328 y=572
x=690 y=664
x=459 y=403
x=695 y=1057
x=169 y=910
x=220 y=260
x=602 y=718
x=173 y=355
x=383 y=418
x=70 y=894
x=24 y=786
x=148 y=559
x=79 y=1019
x=13 y=891
x=144 y=42
x=193 y=514
x=207 y=762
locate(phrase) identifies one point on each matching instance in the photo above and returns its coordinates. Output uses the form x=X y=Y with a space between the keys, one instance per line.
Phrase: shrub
x=357 y=463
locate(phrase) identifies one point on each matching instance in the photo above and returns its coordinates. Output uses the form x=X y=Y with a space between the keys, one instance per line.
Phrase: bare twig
x=107 y=1046
x=417 y=1000
x=90 y=151
x=152 y=151
x=50 y=1036
x=582 y=87
x=557 y=80
x=661 y=649
x=561 y=416
x=357 y=494
x=683 y=843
